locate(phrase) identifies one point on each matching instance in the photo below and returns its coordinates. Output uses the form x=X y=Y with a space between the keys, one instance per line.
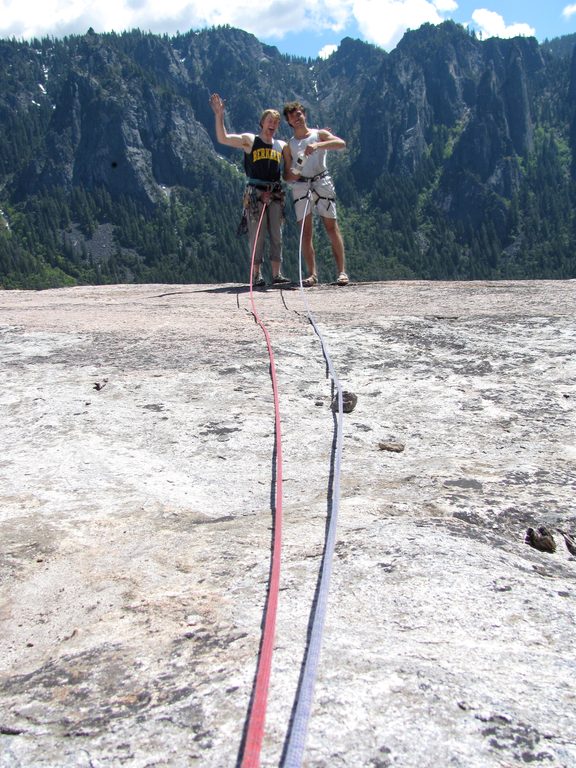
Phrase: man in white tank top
x=312 y=188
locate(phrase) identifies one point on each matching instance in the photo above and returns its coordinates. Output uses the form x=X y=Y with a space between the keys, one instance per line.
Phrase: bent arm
x=287 y=171
x=238 y=140
x=326 y=140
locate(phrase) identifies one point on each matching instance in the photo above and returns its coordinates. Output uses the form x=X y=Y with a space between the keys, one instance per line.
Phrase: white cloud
x=492 y=24
x=569 y=11
x=328 y=14
x=29 y=18
x=327 y=51
x=446 y=6
x=272 y=20
x=383 y=22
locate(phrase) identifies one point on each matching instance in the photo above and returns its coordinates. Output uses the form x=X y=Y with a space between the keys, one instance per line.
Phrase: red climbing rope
x=257 y=716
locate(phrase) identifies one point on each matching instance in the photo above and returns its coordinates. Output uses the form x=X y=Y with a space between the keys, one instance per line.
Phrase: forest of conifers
x=460 y=159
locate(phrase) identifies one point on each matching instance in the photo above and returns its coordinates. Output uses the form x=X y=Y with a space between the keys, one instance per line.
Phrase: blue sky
x=299 y=27
x=385 y=26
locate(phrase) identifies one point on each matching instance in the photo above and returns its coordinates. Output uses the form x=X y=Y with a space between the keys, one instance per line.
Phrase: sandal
x=310 y=281
x=343 y=279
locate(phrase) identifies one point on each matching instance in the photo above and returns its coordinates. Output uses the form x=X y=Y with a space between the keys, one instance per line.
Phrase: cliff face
x=479 y=92
x=455 y=116
x=112 y=128
x=136 y=117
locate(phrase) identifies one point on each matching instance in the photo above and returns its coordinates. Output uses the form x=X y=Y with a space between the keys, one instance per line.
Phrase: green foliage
x=64 y=221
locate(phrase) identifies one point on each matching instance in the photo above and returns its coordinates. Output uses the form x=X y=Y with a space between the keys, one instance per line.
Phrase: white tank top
x=313 y=164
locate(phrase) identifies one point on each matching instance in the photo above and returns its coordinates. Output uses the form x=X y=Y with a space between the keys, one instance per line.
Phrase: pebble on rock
x=349 y=400
x=391 y=446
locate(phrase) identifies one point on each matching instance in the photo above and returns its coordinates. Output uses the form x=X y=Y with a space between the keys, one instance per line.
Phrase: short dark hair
x=292 y=106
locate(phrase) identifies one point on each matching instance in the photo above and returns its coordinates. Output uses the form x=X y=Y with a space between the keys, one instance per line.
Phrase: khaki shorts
x=322 y=197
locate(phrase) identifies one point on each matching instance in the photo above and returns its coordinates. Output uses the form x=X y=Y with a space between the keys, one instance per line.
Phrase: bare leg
x=308 y=247
x=333 y=232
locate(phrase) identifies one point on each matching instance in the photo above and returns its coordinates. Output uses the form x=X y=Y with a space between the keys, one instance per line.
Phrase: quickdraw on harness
x=309 y=180
x=251 y=203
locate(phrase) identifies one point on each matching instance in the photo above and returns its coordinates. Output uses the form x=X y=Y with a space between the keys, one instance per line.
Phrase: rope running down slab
x=255 y=729
x=296 y=739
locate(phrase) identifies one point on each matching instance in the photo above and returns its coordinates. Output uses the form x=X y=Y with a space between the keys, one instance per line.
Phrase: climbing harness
x=255 y=729
x=251 y=201
x=252 y=193
x=309 y=180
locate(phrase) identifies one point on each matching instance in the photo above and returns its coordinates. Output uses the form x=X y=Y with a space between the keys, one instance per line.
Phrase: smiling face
x=269 y=122
x=296 y=117
x=295 y=114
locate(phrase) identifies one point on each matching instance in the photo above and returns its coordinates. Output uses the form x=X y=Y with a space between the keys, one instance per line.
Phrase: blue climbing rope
x=296 y=739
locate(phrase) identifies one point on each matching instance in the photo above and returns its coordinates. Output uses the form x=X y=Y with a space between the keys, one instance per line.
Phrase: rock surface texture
x=136 y=509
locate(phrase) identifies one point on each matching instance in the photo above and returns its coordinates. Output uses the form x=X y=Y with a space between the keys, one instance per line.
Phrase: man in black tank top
x=264 y=196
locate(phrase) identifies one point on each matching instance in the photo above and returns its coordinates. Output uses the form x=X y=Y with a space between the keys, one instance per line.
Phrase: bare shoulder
x=325 y=135
x=247 y=141
x=330 y=139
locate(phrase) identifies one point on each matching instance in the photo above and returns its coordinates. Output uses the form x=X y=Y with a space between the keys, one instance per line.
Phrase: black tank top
x=263 y=161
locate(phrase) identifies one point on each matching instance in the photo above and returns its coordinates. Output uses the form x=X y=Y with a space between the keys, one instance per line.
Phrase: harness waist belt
x=261 y=184
x=313 y=178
